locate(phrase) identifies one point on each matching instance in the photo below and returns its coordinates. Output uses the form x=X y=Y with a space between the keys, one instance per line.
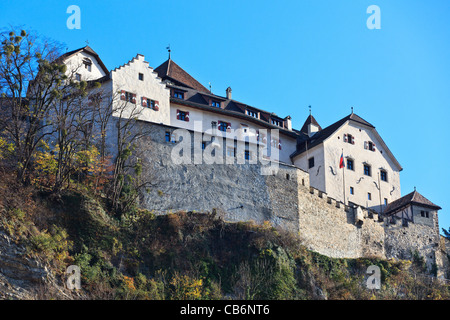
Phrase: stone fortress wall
x=284 y=197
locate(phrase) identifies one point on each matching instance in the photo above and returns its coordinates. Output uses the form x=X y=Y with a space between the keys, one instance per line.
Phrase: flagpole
x=343 y=174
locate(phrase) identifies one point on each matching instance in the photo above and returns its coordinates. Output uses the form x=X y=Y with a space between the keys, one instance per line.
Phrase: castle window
x=128 y=97
x=425 y=214
x=369 y=196
x=350 y=165
x=215 y=103
x=383 y=175
x=224 y=126
x=349 y=138
x=171 y=137
x=203 y=145
x=276 y=143
x=367 y=170
x=178 y=94
x=352 y=191
x=152 y=104
x=247 y=155
x=87 y=64
x=369 y=145
x=183 y=115
x=141 y=76
x=288 y=177
x=311 y=162
x=385 y=201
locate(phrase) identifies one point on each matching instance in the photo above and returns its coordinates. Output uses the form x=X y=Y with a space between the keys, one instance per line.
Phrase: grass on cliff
x=188 y=255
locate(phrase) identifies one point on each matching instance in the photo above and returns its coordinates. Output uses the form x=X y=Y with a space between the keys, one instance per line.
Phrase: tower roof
x=410 y=199
x=169 y=70
x=310 y=120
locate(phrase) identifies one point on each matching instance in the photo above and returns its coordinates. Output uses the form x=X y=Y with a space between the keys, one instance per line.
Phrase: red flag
x=341 y=162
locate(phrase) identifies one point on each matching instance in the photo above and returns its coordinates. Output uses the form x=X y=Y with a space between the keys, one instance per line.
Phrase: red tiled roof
x=411 y=198
x=170 y=70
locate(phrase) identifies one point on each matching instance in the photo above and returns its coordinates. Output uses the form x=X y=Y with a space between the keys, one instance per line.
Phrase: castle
x=338 y=187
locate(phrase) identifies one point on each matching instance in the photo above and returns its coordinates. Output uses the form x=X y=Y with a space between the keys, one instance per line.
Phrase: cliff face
x=20 y=276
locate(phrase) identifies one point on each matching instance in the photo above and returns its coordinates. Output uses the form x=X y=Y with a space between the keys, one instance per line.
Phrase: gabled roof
x=323 y=134
x=88 y=50
x=169 y=70
x=304 y=142
x=410 y=199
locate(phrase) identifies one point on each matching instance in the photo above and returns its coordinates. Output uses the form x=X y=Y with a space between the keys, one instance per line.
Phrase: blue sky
x=283 y=56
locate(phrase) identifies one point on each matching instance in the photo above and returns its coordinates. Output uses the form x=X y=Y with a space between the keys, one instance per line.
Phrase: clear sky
x=283 y=56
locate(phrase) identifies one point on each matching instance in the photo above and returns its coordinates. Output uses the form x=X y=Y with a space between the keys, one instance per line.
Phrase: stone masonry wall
x=240 y=191
x=284 y=197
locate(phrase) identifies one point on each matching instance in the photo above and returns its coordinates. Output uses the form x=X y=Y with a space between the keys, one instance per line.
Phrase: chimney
x=288 y=121
x=229 y=93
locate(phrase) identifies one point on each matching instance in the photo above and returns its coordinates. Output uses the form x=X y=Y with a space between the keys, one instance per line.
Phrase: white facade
x=200 y=120
x=78 y=64
x=354 y=185
x=135 y=85
x=137 y=78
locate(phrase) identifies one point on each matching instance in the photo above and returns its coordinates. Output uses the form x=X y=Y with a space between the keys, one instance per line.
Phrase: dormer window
x=215 y=103
x=252 y=114
x=178 y=94
x=276 y=122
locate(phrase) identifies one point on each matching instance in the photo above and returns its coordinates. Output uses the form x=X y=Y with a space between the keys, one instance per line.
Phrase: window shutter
x=228 y=127
x=353 y=140
x=133 y=98
x=373 y=147
x=345 y=138
x=156 y=105
x=144 y=101
x=186 y=118
x=122 y=95
x=279 y=144
x=178 y=114
x=365 y=145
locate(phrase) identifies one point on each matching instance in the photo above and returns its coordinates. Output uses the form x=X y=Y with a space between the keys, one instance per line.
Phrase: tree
x=126 y=184
x=29 y=76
